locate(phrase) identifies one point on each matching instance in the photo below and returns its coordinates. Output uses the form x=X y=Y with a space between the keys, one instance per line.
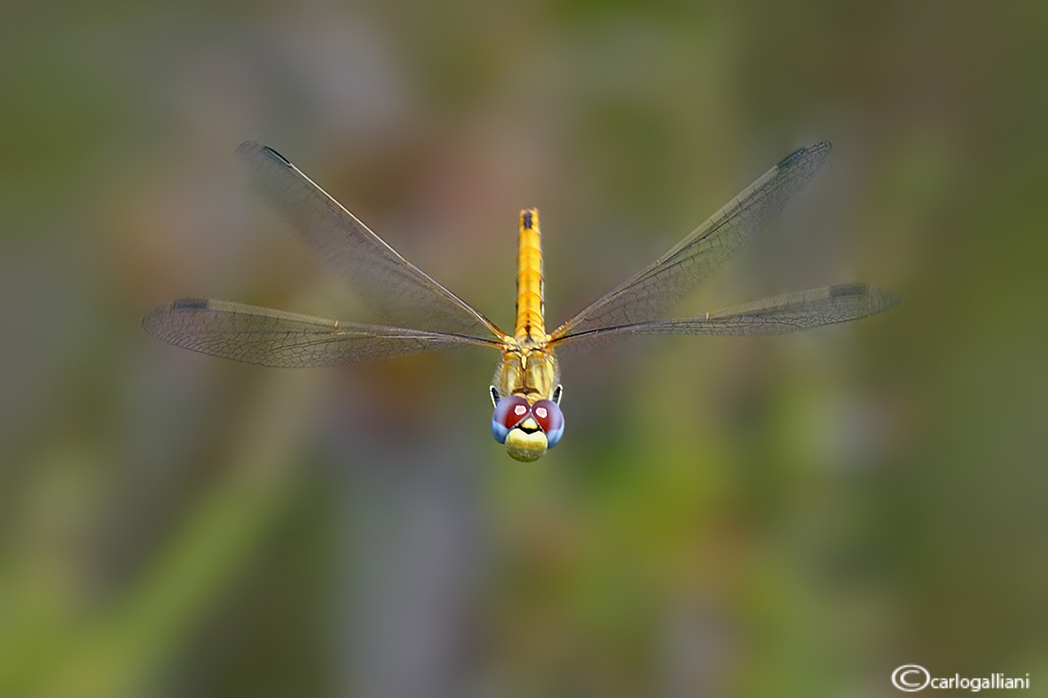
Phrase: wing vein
x=649 y=294
x=395 y=288
x=788 y=313
x=274 y=338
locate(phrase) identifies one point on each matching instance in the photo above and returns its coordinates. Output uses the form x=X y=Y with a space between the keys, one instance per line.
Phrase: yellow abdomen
x=530 y=307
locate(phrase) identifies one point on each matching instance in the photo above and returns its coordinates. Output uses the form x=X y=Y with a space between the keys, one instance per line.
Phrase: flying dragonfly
x=421 y=315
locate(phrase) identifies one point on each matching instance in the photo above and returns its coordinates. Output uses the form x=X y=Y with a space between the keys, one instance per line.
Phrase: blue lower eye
x=553 y=437
x=498 y=431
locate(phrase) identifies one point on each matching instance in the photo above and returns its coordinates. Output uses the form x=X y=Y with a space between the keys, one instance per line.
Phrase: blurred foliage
x=725 y=517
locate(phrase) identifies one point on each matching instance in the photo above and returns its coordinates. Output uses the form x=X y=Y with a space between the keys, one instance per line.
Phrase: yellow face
x=527 y=442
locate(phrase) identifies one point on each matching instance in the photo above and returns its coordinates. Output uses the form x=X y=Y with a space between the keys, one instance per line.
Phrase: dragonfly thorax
x=528 y=371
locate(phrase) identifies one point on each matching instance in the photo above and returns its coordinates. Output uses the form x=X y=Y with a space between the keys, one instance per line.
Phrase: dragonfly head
x=528 y=430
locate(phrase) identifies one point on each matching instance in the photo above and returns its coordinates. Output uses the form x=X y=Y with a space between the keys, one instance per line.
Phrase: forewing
x=397 y=290
x=652 y=292
x=789 y=313
x=273 y=338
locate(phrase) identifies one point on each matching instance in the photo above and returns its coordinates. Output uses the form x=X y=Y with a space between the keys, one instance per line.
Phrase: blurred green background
x=792 y=516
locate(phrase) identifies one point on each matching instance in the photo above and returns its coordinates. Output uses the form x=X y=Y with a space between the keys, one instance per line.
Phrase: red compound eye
x=511 y=411
x=549 y=416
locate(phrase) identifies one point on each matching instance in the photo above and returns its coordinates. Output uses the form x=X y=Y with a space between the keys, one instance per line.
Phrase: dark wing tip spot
x=274 y=154
x=189 y=304
x=527 y=220
x=791 y=158
x=801 y=152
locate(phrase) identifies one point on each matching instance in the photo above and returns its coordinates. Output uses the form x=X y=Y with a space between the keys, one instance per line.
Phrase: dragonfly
x=418 y=314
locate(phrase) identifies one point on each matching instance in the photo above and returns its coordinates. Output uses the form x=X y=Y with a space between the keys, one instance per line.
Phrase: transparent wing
x=789 y=313
x=273 y=338
x=652 y=292
x=396 y=289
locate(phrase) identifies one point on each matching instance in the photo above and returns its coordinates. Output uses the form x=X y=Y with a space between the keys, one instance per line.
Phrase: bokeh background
x=791 y=516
